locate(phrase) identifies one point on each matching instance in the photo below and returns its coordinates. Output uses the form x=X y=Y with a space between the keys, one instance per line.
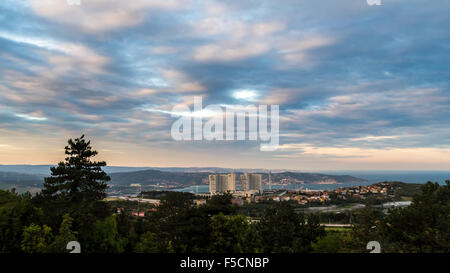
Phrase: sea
x=420 y=177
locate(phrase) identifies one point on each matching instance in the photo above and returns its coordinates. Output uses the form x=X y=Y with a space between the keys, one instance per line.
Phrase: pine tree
x=77 y=179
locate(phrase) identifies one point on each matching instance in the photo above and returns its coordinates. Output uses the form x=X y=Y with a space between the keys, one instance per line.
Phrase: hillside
x=311 y=178
x=45 y=169
x=401 y=189
x=195 y=178
x=153 y=177
x=22 y=182
x=33 y=176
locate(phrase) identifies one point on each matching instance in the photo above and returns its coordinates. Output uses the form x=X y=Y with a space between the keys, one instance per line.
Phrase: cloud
x=32 y=116
x=162 y=50
x=295 y=51
x=229 y=52
x=64 y=56
x=96 y=16
x=233 y=39
x=180 y=82
x=351 y=80
x=414 y=156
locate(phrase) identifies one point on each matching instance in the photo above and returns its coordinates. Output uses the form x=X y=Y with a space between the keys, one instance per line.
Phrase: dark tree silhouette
x=77 y=179
x=76 y=187
x=282 y=230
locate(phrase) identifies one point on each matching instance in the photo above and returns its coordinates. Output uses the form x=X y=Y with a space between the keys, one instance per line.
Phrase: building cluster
x=304 y=197
x=363 y=192
x=251 y=191
x=251 y=183
x=301 y=197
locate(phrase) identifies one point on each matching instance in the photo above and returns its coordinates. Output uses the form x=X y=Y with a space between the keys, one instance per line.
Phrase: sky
x=359 y=87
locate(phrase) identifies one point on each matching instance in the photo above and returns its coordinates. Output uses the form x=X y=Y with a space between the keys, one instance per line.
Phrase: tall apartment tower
x=251 y=181
x=219 y=183
x=231 y=182
x=270 y=180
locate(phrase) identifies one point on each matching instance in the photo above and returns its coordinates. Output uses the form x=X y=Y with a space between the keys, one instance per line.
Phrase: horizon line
x=252 y=168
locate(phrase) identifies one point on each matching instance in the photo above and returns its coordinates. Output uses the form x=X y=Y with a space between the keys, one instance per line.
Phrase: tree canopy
x=71 y=208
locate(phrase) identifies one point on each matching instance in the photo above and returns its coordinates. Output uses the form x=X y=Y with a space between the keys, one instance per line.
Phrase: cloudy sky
x=358 y=86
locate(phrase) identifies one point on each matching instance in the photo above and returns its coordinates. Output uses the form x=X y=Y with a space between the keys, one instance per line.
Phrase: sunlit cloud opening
x=32 y=118
x=245 y=94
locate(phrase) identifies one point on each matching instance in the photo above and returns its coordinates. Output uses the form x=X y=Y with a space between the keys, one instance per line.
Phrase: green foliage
x=148 y=243
x=220 y=204
x=16 y=213
x=64 y=236
x=401 y=189
x=189 y=231
x=77 y=178
x=282 y=230
x=174 y=202
x=424 y=226
x=36 y=239
x=105 y=237
x=231 y=234
x=72 y=205
x=77 y=182
x=76 y=187
x=159 y=194
x=366 y=227
x=333 y=242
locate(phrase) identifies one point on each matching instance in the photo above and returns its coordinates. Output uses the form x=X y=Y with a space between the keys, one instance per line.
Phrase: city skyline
x=359 y=87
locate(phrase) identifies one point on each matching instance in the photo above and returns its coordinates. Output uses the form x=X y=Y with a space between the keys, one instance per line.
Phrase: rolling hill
x=195 y=178
x=24 y=176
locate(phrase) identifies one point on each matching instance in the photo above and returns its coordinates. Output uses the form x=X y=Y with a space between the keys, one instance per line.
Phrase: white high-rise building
x=251 y=182
x=270 y=180
x=219 y=183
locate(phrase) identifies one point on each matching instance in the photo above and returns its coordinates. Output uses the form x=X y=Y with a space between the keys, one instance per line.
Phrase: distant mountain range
x=22 y=182
x=45 y=169
x=147 y=177
x=311 y=178
x=32 y=176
